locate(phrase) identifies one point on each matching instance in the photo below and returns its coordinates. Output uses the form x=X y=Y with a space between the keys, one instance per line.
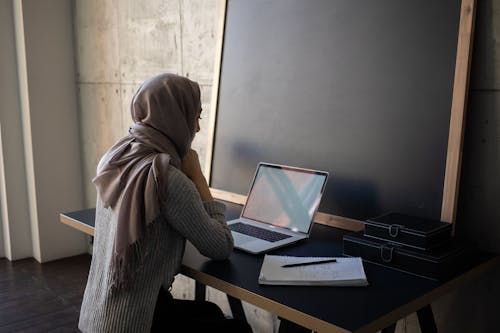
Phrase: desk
x=391 y=295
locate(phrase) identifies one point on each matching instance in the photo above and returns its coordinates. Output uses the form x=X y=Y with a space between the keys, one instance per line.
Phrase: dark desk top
x=390 y=296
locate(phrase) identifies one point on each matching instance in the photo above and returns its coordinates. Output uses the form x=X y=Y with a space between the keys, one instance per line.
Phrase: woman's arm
x=202 y=222
x=192 y=169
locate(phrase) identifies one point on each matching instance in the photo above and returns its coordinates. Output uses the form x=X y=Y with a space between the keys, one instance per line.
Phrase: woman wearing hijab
x=151 y=197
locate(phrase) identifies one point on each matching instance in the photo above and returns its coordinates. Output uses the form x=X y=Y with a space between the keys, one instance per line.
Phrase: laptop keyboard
x=257 y=232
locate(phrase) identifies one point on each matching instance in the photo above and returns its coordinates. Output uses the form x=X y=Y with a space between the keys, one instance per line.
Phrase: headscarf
x=164 y=110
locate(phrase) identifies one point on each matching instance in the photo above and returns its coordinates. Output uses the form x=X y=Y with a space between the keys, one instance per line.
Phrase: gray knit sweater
x=184 y=216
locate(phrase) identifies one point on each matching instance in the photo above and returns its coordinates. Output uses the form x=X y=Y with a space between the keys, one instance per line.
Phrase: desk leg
x=236 y=308
x=199 y=291
x=287 y=326
x=389 y=329
x=234 y=303
x=426 y=320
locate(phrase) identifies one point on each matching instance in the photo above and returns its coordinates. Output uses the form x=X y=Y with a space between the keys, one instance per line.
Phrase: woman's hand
x=191 y=165
x=192 y=169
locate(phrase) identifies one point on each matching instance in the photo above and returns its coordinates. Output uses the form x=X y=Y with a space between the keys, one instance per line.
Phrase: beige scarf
x=164 y=110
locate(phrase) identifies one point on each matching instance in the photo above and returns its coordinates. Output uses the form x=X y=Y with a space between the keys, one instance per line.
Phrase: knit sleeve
x=202 y=223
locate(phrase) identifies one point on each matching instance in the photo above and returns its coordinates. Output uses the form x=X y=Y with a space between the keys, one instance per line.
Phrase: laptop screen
x=285 y=196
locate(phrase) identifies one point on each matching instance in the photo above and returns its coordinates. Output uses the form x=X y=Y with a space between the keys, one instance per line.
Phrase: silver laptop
x=279 y=209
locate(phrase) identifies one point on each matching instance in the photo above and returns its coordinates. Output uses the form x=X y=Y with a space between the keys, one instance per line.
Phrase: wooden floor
x=42 y=297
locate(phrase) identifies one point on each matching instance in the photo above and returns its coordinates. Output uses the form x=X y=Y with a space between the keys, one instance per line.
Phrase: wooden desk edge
x=319 y=325
x=76 y=224
x=428 y=298
x=277 y=308
x=321 y=218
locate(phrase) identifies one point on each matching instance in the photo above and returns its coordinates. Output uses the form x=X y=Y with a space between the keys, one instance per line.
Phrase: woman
x=151 y=197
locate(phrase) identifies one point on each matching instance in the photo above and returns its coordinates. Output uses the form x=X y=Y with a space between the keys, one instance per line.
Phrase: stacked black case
x=410 y=231
x=407 y=243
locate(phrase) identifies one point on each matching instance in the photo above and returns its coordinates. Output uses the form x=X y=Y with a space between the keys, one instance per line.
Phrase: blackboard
x=362 y=89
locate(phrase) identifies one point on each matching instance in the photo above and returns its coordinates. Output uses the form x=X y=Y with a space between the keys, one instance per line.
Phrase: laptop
x=279 y=209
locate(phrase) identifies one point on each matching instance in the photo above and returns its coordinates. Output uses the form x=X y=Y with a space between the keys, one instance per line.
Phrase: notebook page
x=346 y=271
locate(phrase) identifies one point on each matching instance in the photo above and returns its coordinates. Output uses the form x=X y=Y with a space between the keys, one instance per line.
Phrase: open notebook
x=343 y=272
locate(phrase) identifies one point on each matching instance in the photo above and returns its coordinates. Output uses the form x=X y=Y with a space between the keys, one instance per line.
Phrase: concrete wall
x=120 y=43
x=16 y=232
x=55 y=185
x=40 y=173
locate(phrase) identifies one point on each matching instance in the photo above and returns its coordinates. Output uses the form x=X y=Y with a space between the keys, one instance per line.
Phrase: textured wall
x=478 y=212
x=121 y=43
x=15 y=236
x=40 y=164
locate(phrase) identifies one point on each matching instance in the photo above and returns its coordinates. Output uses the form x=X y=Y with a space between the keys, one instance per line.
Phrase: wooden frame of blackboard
x=456 y=127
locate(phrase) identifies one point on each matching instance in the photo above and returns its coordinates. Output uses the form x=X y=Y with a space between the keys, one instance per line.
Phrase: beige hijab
x=164 y=110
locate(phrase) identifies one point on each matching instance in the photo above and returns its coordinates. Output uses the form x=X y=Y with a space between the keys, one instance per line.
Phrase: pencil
x=310 y=263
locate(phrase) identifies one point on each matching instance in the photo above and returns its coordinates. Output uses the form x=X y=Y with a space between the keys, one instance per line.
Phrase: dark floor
x=38 y=297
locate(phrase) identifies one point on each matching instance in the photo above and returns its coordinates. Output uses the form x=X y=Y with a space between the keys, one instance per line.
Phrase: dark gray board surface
x=361 y=89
